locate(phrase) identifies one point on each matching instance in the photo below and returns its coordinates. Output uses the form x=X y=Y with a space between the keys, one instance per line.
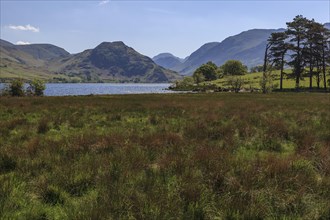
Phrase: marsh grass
x=182 y=156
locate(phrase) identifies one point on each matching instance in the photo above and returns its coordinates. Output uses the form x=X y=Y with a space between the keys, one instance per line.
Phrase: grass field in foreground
x=178 y=156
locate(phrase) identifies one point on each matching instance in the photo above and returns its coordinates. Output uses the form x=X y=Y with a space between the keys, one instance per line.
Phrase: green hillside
x=43 y=51
x=10 y=70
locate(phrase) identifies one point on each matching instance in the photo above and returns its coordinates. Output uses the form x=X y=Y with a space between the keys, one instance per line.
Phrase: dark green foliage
x=206 y=72
x=297 y=34
x=233 y=67
x=309 y=45
x=278 y=50
x=176 y=156
x=16 y=87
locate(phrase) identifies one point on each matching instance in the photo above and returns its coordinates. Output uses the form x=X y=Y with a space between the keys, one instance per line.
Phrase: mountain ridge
x=109 y=61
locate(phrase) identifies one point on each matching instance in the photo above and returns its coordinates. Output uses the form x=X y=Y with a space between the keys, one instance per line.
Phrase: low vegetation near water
x=178 y=156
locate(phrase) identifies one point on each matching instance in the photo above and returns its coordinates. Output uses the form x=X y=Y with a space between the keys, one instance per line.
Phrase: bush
x=16 y=87
x=206 y=72
x=36 y=87
x=267 y=83
x=236 y=83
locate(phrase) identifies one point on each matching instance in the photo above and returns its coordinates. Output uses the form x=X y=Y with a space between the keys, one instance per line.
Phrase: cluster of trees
x=16 y=88
x=210 y=71
x=305 y=45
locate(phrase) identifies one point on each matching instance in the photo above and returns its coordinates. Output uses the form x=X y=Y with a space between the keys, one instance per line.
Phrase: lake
x=69 y=89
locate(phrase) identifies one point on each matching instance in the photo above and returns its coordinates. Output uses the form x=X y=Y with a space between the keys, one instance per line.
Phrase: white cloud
x=104 y=2
x=22 y=43
x=24 y=28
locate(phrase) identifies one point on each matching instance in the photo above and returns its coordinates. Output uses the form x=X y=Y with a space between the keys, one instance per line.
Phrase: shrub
x=16 y=87
x=206 y=72
x=37 y=87
x=267 y=83
x=236 y=83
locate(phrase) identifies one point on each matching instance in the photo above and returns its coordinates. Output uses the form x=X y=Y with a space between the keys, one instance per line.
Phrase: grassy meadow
x=175 y=156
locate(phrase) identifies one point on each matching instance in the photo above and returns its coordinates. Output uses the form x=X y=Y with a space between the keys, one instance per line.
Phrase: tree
x=37 y=87
x=278 y=48
x=233 y=67
x=264 y=71
x=312 y=51
x=16 y=87
x=296 y=32
x=198 y=77
x=325 y=53
x=206 y=72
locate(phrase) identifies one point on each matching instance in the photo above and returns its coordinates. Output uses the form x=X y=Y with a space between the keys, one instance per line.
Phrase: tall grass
x=181 y=156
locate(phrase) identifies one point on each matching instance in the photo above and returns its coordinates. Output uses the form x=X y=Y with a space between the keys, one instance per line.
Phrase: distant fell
x=167 y=60
x=43 y=51
x=114 y=61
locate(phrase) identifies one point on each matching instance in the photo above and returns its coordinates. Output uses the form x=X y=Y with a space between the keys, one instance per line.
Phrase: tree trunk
x=298 y=65
x=318 y=74
x=310 y=76
x=264 y=90
x=310 y=67
x=323 y=68
x=281 y=79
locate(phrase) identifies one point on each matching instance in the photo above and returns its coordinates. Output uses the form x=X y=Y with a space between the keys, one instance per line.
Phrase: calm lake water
x=67 y=89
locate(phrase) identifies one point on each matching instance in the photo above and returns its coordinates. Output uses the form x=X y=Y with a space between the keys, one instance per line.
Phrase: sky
x=150 y=27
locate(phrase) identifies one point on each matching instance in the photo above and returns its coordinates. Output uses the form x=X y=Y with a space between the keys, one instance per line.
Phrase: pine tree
x=296 y=32
x=278 y=48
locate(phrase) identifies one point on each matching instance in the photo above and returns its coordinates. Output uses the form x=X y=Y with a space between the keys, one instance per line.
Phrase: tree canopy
x=234 y=67
x=206 y=72
x=307 y=43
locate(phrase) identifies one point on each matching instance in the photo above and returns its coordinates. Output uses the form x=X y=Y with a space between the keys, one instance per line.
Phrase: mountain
x=43 y=51
x=113 y=61
x=247 y=47
x=4 y=43
x=107 y=62
x=167 y=60
x=15 y=62
x=11 y=53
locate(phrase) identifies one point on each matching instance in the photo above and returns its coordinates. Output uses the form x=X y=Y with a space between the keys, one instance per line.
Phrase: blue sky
x=150 y=27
